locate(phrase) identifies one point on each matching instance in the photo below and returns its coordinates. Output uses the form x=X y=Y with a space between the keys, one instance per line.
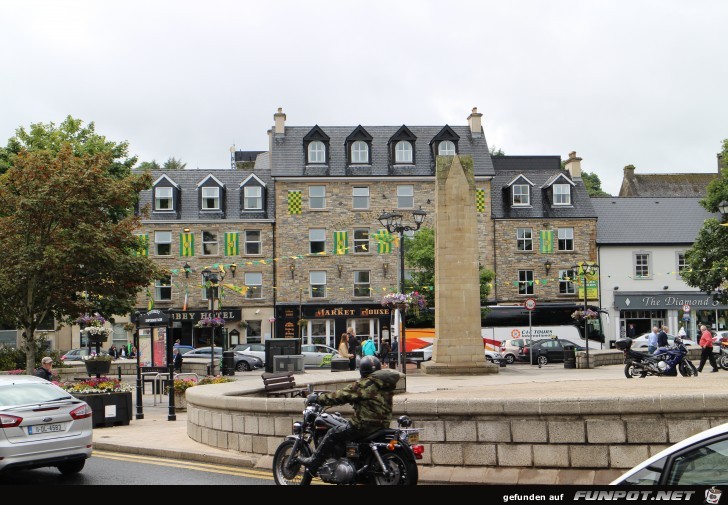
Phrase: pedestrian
x=45 y=370
x=122 y=354
x=682 y=333
x=706 y=342
x=344 y=349
x=113 y=351
x=133 y=352
x=652 y=341
x=393 y=353
x=368 y=348
x=662 y=337
x=354 y=347
x=177 y=361
x=631 y=331
x=384 y=353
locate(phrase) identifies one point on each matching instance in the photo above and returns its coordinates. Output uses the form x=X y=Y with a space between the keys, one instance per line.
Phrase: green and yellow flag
x=294 y=202
x=384 y=241
x=144 y=245
x=186 y=244
x=341 y=242
x=231 y=244
x=480 y=200
x=547 y=241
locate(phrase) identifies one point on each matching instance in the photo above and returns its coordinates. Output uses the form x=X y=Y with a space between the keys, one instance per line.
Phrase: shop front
x=324 y=324
x=675 y=310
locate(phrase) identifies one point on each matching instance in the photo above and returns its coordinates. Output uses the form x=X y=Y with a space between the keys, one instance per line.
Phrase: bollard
x=118 y=369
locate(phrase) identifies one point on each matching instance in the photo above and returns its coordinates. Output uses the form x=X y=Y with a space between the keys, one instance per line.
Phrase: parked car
x=184 y=349
x=495 y=357
x=78 y=354
x=699 y=460
x=641 y=343
x=243 y=362
x=257 y=350
x=318 y=355
x=548 y=350
x=41 y=425
x=512 y=350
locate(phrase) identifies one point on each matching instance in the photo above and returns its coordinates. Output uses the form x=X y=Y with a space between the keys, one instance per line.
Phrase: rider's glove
x=312 y=398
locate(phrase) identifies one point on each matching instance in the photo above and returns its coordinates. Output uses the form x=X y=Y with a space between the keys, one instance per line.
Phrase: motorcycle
x=723 y=358
x=666 y=361
x=386 y=457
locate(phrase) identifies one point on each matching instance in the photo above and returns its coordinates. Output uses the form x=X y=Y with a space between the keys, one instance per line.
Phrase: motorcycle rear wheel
x=687 y=369
x=723 y=361
x=296 y=474
x=404 y=471
x=631 y=371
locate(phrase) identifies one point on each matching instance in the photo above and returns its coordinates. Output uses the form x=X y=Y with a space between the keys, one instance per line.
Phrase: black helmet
x=369 y=364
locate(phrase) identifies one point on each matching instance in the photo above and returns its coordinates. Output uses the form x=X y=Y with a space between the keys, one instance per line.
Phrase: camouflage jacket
x=371 y=398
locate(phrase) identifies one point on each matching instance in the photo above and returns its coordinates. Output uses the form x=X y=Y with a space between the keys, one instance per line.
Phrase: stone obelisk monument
x=459 y=346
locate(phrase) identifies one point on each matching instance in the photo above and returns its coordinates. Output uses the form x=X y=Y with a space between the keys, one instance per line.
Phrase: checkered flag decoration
x=480 y=200
x=294 y=202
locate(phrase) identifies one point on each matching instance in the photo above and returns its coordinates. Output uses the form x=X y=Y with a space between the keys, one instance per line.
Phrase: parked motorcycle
x=666 y=361
x=723 y=358
x=387 y=457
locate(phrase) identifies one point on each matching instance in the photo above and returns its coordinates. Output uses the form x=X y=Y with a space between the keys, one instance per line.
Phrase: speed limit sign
x=530 y=304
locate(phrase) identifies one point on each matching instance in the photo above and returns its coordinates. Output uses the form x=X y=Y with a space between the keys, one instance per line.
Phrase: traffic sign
x=686 y=308
x=530 y=304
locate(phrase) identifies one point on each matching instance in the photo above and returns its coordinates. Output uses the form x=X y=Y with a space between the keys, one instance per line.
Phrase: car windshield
x=24 y=394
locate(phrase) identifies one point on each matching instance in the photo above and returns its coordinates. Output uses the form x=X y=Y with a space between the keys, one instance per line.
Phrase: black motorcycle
x=666 y=361
x=386 y=457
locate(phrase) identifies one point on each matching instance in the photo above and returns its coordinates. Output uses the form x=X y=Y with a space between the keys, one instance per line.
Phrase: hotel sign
x=195 y=315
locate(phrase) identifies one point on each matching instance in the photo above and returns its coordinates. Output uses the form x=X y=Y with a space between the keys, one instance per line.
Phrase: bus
x=499 y=323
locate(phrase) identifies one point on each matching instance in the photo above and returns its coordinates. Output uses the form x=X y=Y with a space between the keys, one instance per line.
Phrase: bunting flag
x=231 y=244
x=150 y=300
x=480 y=200
x=186 y=244
x=384 y=241
x=547 y=241
x=184 y=305
x=294 y=202
x=341 y=242
x=241 y=290
x=143 y=245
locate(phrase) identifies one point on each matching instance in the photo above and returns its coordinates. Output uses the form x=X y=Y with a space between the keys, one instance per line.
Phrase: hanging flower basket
x=408 y=302
x=580 y=315
x=211 y=322
x=93 y=327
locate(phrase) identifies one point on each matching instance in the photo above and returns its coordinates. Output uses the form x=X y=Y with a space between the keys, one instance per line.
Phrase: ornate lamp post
x=587 y=270
x=212 y=281
x=392 y=221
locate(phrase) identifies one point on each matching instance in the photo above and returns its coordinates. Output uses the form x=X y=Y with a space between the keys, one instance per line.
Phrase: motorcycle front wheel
x=687 y=369
x=723 y=361
x=631 y=371
x=403 y=471
x=294 y=474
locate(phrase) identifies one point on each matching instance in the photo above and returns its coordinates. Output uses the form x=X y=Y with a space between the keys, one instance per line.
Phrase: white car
x=641 y=343
x=42 y=425
x=700 y=460
x=495 y=357
x=318 y=355
x=257 y=350
x=425 y=354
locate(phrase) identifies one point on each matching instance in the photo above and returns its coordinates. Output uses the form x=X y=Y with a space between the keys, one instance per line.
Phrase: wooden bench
x=282 y=384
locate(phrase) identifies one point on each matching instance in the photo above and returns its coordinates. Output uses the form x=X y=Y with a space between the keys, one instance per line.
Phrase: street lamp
x=393 y=223
x=212 y=281
x=587 y=270
x=723 y=208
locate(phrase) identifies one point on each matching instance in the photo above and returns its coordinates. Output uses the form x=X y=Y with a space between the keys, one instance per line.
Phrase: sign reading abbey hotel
x=638 y=301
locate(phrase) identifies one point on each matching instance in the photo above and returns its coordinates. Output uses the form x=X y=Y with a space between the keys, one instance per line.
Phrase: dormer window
x=359 y=152
x=210 y=198
x=562 y=194
x=446 y=148
x=403 y=152
x=252 y=194
x=163 y=199
x=521 y=194
x=316 y=152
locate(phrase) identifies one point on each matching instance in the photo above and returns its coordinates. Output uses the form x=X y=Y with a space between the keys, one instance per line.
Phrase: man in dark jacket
x=371 y=398
x=45 y=371
x=662 y=337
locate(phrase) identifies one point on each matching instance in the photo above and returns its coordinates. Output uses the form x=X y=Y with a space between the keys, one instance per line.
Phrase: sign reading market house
x=639 y=301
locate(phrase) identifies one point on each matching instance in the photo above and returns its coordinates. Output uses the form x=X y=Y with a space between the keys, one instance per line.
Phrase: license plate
x=44 y=428
x=413 y=438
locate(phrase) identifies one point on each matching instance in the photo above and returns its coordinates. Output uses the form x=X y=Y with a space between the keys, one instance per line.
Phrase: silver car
x=318 y=355
x=41 y=425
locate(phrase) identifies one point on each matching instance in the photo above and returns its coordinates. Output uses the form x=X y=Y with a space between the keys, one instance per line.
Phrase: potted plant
x=182 y=385
x=93 y=327
x=109 y=399
x=97 y=364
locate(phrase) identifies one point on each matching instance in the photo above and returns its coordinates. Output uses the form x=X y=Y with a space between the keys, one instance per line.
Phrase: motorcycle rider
x=371 y=398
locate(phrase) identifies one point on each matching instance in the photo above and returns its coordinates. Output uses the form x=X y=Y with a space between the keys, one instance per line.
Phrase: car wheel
x=242 y=366
x=489 y=359
x=542 y=360
x=71 y=467
x=510 y=359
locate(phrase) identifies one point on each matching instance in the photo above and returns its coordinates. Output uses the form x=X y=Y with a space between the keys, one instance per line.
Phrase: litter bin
x=339 y=365
x=569 y=356
x=228 y=363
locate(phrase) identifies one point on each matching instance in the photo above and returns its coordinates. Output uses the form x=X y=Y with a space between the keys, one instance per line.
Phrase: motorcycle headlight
x=297 y=428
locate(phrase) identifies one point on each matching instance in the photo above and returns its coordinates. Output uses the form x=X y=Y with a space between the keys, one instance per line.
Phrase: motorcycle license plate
x=413 y=438
x=44 y=428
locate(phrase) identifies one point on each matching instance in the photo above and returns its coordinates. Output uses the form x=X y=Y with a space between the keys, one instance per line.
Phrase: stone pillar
x=459 y=345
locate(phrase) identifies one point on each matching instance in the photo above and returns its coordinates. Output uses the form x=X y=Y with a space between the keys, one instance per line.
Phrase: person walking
x=45 y=370
x=353 y=347
x=368 y=348
x=652 y=341
x=384 y=353
x=177 y=361
x=706 y=343
x=631 y=331
x=662 y=340
x=344 y=349
x=393 y=353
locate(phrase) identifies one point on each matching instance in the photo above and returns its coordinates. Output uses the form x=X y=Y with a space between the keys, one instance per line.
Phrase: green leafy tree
x=419 y=255
x=66 y=227
x=593 y=184
x=496 y=152
x=149 y=165
x=707 y=260
x=174 y=164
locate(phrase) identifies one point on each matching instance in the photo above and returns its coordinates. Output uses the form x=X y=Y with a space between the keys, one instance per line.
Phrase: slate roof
x=539 y=170
x=635 y=220
x=666 y=185
x=188 y=180
x=288 y=156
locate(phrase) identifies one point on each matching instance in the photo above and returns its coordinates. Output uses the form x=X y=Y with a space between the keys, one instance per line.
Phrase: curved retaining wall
x=557 y=440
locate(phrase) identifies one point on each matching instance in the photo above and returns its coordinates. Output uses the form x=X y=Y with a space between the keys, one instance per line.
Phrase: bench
x=282 y=384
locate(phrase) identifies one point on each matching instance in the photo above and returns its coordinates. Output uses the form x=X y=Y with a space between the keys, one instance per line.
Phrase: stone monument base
x=433 y=368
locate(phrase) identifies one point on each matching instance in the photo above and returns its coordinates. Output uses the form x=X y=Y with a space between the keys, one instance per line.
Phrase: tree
x=419 y=255
x=66 y=227
x=593 y=184
x=706 y=261
x=174 y=164
x=149 y=165
x=497 y=152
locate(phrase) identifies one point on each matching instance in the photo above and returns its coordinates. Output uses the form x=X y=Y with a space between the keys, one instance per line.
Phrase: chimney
x=476 y=129
x=629 y=172
x=573 y=165
x=280 y=120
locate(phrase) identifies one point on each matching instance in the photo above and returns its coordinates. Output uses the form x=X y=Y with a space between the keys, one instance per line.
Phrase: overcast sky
x=619 y=82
